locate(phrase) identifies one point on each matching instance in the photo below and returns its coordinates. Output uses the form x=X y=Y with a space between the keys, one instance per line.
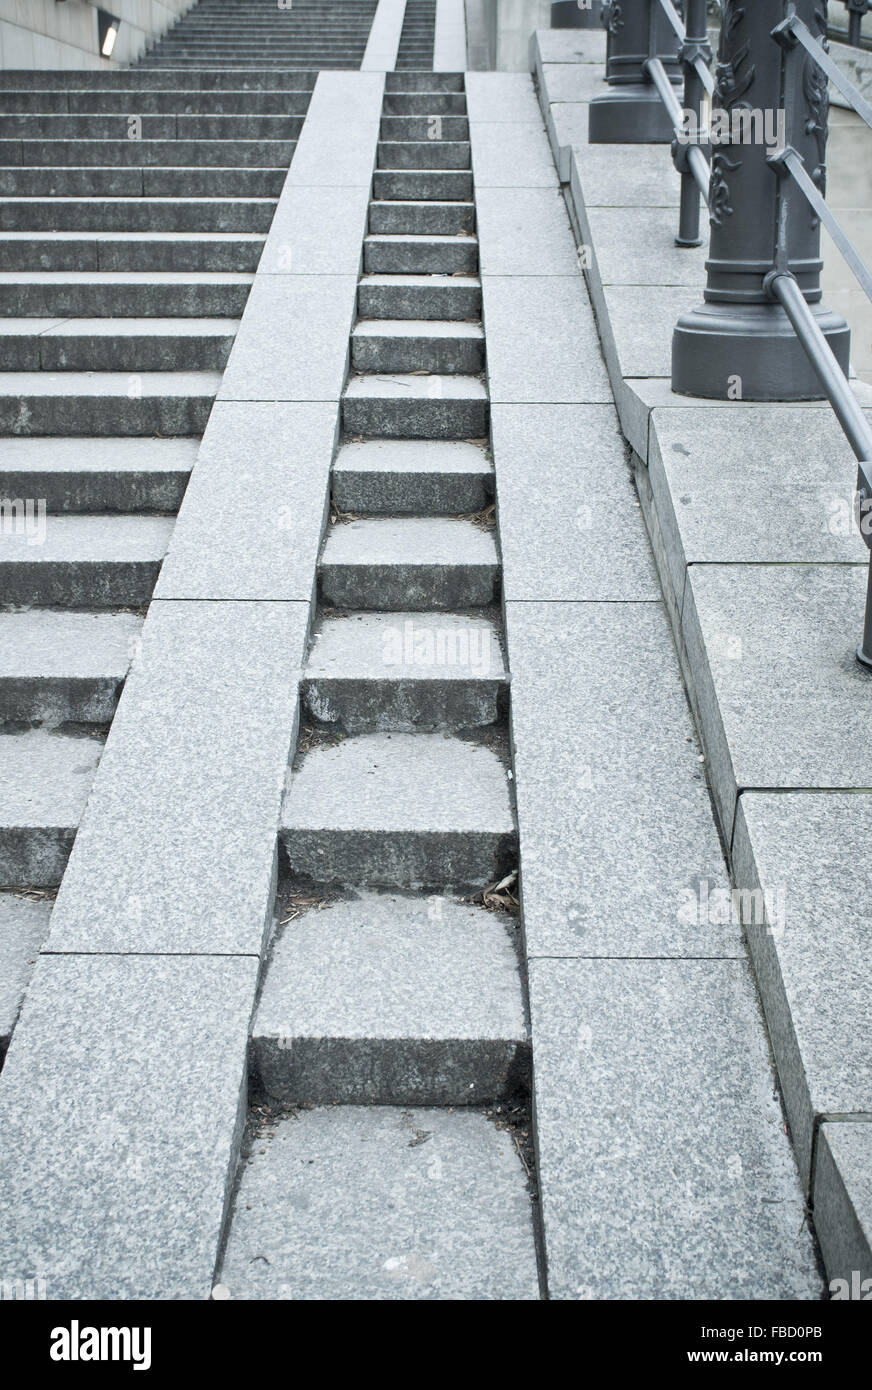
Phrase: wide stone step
x=406 y=406
x=142 y=77
x=98 y=474
x=131 y=250
x=106 y=345
x=43 y=791
x=127 y=214
x=371 y=1203
x=84 y=182
x=416 y=563
x=108 y=403
x=199 y=105
x=117 y=125
x=423 y=154
x=380 y=672
x=24 y=926
x=393 y=477
x=81 y=561
x=425 y=104
x=390 y=1000
x=392 y=254
x=123 y=153
x=64 y=667
x=123 y=293
x=421 y=219
x=409 y=345
x=416 y=185
x=420 y=811
x=429 y=126
x=419 y=297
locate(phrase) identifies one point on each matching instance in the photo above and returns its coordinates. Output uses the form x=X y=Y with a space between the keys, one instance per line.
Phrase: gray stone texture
x=277 y=356
x=370 y=1203
x=542 y=343
x=23 y=927
x=46 y=781
x=843 y=1205
x=524 y=231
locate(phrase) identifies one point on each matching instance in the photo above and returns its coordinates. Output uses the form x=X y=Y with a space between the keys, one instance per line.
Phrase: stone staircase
x=390 y=983
x=262 y=34
x=134 y=206
x=416 y=39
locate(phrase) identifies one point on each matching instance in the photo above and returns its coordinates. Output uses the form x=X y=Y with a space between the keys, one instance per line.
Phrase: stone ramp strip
x=23 y=928
x=312 y=1220
x=665 y=1170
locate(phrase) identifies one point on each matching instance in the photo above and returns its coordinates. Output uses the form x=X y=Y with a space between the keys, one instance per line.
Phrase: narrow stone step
x=417 y=185
x=405 y=406
x=423 y=154
x=370 y=1203
x=105 y=474
x=108 y=403
x=425 y=104
x=415 y=811
x=83 y=561
x=124 y=344
x=393 y=254
x=132 y=214
x=23 y=928
x=419 y=297
x=64 y=667
x=419 y=563
x=428 y=126
x=384 y=672
x=87 y=181
x=393 y=477
x=424 y=82
x=45 y=784
x=389 y=1000
x=133 y=251
x=409 y=345
x=421 y=219
x=123 y=294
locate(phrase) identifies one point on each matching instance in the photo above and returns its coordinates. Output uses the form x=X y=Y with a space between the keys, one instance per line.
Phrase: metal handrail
x=689 y=155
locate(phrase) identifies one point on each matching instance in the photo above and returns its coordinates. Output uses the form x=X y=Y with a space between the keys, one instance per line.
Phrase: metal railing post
x=740 y=343
x=856 y=10
x=696 y=44
x=631 y=112
x=577 y=14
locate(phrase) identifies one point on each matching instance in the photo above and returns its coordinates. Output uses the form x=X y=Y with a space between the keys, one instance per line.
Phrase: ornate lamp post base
x=631 y=115
x=568 y=14
x=750 y=352
x=631 y=111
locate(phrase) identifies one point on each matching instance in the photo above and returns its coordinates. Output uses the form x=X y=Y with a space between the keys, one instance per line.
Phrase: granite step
x=149 y=154
x=106 y=403
x=134 y=251
x=393 y=477
x=417 y=563
x=425 y=104
x=98 y=474
x=422 y=154
x=412 y=811
x=197 y=105
x=421 y=219
x=137 y=182
x=409 y=345
x=81 y=561
x=43 y=791
x=144 y=78
x=416 y=185
x=60 y=667
x=424 y=82
x=123 y=294
x=24 y=926
x=397 y=254
x=116 y=124
x=419 y=297
x=404 y=672
x=124 y=344
x=389 y=1000
x=409 y=406
x=134 y=214
x=430 y=125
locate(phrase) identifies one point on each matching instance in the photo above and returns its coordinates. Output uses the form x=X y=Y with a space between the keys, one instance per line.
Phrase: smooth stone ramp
x=449 y=38
x=384 y=37
x=650 y=1056
x=766 y=612
x=146 y=986
x=311 y=1205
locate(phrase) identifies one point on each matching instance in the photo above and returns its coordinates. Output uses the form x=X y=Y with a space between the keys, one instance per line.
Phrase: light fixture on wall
x=107 y=31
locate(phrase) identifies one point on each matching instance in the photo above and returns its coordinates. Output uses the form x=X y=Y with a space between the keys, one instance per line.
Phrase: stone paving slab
x=181 y=859
x=503 y=97
x=775 y=684
x=810 y=951
x=563 y=473
x=317 y=231
x=23 y=928
x=337 y=144
x=367 y=1202
x=557 y=357
x=675 y=1179
x=511 y=154
x=524 y=231
x=843 y=1206
x=276 y=355
x=626 y=860
x=262 y=477
x=636 y=246
x=569 y=45
x=120 y=1122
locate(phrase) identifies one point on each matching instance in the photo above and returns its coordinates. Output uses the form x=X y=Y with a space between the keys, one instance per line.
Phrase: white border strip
x=449 y=48
x=384 y=37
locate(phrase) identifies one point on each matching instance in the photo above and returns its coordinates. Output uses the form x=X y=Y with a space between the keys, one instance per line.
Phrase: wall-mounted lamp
x=107 y=32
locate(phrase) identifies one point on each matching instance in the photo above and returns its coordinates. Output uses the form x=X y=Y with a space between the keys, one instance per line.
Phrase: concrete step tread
x=408 y=385
x=98 y=540
x=371 y=1202
x=115 y=384
x=160 y=237
x=389 y=966
x=409 y=541
x=122 y=277
x=418 y=456
x=119 y=327
x=407 y=783
x=72 y=454
x=466 y=281
x=43 y=643
x=418 y=328
x=405 y=646
x=46 y=779
x=418 y=239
